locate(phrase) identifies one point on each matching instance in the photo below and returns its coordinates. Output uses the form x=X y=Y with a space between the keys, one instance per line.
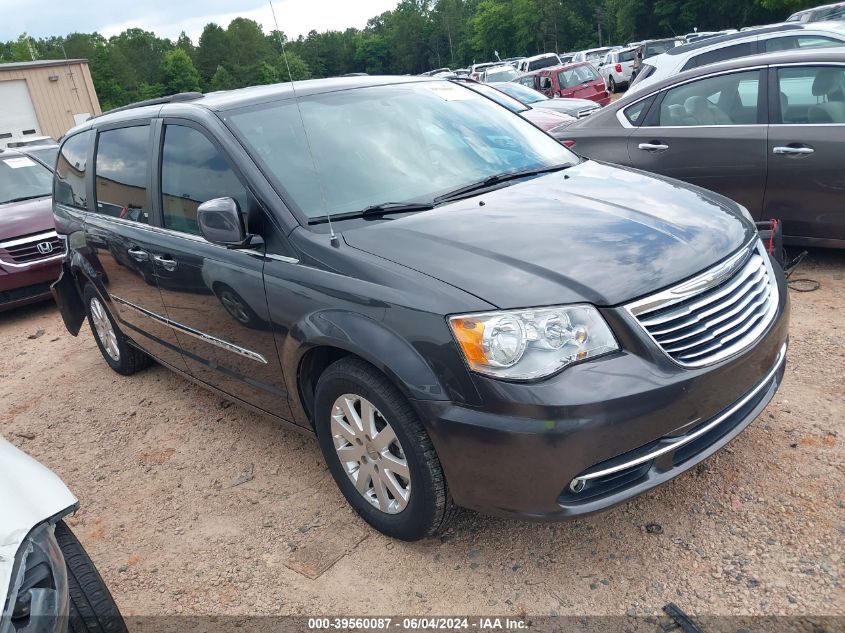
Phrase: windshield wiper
x=495 y=180
x=376 y=211
x=23 y=198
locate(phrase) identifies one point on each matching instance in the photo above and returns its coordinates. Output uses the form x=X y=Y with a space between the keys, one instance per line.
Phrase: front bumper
x=603 y=431
x=22 y=285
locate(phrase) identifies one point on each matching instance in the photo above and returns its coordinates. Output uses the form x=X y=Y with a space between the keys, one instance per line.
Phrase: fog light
x=577 y=485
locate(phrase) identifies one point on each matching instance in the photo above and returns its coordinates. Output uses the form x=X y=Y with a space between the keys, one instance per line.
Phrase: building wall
x=56 y=102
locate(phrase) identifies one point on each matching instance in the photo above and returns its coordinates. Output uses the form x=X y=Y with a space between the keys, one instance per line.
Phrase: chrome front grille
x=716 y=314
x=32 y=248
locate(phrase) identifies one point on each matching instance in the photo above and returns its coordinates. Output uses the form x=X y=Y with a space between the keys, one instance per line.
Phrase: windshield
x=576 y=76
x=501 y=74
x=544 y=62
x=523 y=93
x=22 y=178
x=597 y=54
x=658 y=48
x=46 y=155
x=392 y=143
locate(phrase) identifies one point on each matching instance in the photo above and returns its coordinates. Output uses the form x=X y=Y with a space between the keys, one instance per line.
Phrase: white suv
x=617 y=67
x=537 y=62
x=765 y=39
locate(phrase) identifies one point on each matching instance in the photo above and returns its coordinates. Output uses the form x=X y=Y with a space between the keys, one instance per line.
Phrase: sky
x=167 y=18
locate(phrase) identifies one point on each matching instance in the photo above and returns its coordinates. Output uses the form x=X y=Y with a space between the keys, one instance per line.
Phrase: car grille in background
x=714 y=315
x=31 y=248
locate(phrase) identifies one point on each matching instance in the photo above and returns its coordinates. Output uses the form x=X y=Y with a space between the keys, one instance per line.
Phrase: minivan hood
x=591 y=233
x=26 y=218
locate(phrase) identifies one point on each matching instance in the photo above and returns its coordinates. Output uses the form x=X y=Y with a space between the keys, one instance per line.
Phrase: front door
x=806 y=184
x=214 y=296
x=121 y=241
x=709 y=132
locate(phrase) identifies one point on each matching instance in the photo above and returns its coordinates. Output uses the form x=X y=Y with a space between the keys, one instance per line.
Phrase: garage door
x=17 y=114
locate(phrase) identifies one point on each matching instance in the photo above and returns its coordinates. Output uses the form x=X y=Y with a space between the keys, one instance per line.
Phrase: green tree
x=178 y=73
x=212 y=50
x=222 y=80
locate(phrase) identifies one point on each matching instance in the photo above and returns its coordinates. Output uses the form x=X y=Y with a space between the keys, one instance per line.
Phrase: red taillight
x=568 y=143
x=619 y=68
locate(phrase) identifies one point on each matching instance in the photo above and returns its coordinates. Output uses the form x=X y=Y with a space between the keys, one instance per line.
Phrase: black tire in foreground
x=428 y=507
x=117 y=352
x=92 y=608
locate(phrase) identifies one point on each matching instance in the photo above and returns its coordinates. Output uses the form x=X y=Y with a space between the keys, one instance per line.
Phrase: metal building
x=44 y=98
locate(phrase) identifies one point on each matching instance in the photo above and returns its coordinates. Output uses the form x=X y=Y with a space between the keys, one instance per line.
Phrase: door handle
x=165 y=261
x=138 y=255
x=653 y=147
x=793 y=151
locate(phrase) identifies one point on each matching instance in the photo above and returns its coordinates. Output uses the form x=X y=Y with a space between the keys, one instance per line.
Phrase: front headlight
x=531 y=343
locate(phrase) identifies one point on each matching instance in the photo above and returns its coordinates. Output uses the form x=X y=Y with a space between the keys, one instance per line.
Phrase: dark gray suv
x=462 y=310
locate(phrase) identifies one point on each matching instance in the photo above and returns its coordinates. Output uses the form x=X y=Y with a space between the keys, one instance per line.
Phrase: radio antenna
x=335 y=241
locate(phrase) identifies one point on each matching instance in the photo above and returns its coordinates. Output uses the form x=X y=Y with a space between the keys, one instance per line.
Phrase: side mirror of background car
x=221 y=223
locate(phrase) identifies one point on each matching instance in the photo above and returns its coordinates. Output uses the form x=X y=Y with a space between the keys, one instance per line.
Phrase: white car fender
x=30 y=493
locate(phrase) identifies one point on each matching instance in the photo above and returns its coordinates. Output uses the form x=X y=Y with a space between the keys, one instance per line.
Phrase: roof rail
x=177 y=98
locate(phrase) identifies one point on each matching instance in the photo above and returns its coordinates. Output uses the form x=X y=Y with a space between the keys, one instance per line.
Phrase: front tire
x=378 y=452
x=92 y=608
x=121 y=357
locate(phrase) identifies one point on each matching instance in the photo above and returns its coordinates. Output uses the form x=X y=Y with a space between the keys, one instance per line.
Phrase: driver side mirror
x=220 y=222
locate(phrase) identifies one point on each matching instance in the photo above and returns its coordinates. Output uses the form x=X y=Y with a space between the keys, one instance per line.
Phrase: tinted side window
x=69 y=183
x=799 y=41
x=121 y=173
x=720 y=100
x=722 y=54
x=193 y=171
x=812 y=95
x=636 y=113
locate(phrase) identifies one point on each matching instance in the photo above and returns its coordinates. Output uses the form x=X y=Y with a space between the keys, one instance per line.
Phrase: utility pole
x=599 y=25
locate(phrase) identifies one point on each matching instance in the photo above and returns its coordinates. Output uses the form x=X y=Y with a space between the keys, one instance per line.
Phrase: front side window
x=395 y=143
x=193 y=171
x=22 y=178
x=720 y=100
x=799 y=41
x=812 y=95
x=121 y=173
x=576 y=76
x=722 y=54
x=69 y=182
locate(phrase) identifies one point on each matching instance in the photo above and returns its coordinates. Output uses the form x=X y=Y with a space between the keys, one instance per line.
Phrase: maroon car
x=572 y=81
x=30 y=250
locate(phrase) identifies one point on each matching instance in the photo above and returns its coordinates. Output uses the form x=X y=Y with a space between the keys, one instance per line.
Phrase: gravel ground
x=192 y=505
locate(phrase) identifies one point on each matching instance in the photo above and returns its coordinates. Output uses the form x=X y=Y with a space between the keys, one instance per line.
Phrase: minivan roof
x=224 y=100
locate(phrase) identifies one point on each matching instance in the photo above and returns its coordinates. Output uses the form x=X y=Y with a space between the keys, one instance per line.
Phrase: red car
x=575 y=81
x=30 y=250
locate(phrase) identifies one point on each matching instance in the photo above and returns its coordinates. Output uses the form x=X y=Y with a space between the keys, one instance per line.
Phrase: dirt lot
x=193 y=505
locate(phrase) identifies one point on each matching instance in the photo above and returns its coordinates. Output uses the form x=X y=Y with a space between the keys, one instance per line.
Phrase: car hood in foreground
x=593 y=233
x=29 y=495
x=26 y=217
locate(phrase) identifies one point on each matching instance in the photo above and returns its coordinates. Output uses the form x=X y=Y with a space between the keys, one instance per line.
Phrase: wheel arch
x=314 y=344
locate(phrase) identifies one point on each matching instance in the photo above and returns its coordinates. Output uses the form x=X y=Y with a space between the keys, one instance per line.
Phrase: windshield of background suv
x=22 y=178
x=546 y=62
x=500 y=74
x=523 y=93
x=658 y=48
x=576 y=76
x=394 y=143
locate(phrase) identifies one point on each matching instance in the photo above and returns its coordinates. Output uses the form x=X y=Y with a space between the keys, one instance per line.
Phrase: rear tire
x=92 y=608
x=611 y=85
x=117 y=352
x=404 y=493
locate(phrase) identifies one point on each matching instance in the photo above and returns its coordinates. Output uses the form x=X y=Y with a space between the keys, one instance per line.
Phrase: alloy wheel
x=105 y=331
x=370 y=453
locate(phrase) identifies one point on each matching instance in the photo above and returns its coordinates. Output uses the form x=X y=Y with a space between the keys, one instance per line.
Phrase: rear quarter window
x=71 y=165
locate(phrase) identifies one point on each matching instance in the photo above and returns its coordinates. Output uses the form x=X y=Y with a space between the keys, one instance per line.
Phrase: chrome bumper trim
x=686 y=439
